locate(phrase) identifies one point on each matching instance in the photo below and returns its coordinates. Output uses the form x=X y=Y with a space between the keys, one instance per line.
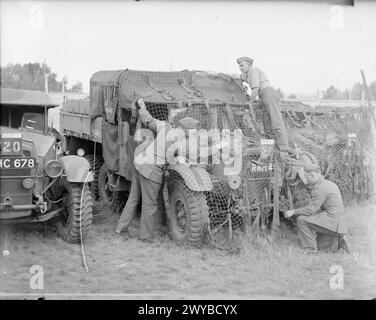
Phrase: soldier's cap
x=241 y=59
x=188 y=123
x=302 y=171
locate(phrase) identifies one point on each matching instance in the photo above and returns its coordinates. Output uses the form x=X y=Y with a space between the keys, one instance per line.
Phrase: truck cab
x=37 y=179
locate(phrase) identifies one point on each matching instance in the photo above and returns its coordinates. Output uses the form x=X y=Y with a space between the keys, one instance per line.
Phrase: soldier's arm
x=254 y=94
x=318 y=197
x=147 y=119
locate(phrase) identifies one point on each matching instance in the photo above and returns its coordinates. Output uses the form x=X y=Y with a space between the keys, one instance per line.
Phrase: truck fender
x=77 y=169
x=196 y=178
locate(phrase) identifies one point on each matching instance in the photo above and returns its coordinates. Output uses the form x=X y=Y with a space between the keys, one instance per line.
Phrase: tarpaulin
x=110 y=145
x=111 y=89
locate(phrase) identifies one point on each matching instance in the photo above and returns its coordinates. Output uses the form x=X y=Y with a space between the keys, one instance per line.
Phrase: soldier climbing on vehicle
x=258 y=84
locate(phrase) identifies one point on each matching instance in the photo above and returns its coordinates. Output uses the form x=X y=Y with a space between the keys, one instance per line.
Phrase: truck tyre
x=75 y=223
x=189 y=214
x=95 y=164
x=114 y=199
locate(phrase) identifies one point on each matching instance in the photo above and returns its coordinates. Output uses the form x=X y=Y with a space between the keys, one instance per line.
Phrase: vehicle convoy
x=201 y=199
x=38 y=181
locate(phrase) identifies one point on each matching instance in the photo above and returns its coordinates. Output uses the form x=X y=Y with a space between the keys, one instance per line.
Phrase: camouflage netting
x=235 y=202
x=337 y=140
x=340 y=141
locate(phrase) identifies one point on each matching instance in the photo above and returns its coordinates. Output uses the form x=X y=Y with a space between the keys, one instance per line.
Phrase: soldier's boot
x=342 y=244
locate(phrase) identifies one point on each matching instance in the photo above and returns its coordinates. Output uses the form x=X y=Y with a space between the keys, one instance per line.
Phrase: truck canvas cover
x=112 y=89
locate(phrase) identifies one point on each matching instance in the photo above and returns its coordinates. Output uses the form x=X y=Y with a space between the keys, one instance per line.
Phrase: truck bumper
x=16 y=211
x=24 y=213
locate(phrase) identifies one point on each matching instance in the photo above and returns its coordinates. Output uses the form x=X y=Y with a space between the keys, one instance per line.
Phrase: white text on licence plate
x=17 y=163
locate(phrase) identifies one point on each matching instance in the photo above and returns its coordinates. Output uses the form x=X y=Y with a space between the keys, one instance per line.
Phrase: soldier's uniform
x=149 y=162
x=272 y=117
x=322 y=224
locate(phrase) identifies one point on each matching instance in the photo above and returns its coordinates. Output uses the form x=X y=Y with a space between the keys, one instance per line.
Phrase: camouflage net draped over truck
x=219 y=102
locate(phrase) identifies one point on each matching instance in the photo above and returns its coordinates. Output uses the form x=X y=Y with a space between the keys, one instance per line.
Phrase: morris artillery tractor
x=38 y=181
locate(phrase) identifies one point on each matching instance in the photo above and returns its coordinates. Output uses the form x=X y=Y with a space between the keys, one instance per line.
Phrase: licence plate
x=17 y=163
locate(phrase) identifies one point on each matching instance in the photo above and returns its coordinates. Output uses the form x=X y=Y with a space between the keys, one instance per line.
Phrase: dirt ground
x=132 y=269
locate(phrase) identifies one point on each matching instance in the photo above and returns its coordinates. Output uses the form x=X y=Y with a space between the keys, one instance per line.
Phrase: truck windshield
x=33 y=121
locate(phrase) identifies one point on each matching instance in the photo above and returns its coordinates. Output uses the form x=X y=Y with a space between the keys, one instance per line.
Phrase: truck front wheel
x=75 y=223
x=189 y=214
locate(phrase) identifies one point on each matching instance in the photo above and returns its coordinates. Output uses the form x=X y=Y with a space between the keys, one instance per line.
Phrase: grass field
x=132 y=269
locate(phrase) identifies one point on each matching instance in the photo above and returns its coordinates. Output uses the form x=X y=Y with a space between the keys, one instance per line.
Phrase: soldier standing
x=148 y=174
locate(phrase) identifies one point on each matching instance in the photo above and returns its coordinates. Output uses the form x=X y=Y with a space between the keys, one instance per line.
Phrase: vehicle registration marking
x=10 y=146
x=17 y=163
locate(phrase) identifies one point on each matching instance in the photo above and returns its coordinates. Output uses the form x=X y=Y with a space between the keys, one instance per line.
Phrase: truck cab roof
x=20 y=97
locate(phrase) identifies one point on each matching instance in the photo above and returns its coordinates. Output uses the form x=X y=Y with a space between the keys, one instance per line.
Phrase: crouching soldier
x=321 y=224
x=149 y=161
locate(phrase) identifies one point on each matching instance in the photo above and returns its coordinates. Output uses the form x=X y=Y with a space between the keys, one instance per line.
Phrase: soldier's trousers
x=148 y=191
x=273 y=122
x=315 y=237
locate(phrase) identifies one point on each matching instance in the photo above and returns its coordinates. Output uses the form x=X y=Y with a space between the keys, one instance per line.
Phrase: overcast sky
x=301 y=46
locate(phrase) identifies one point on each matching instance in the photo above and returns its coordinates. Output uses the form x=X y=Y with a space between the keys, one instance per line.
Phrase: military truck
x=197 y=199
x=38 y=181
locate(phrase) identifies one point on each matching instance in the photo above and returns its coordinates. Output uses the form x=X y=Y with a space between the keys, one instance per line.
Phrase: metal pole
x=366 y=88
x=10 y=118
x=372 y=114
x=45 y=119
x=371 y=110
x=45 y=77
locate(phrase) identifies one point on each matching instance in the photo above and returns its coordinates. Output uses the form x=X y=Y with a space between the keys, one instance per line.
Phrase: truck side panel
x=80 y=107
x=81 y=126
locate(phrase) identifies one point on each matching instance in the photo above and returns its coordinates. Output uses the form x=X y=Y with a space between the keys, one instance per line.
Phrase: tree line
x=355 y=93
x=31 y=76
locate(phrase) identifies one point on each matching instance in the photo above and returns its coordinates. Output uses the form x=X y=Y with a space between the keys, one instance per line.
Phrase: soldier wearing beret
x=259 y=85
x=148 y=174
x=321 y=224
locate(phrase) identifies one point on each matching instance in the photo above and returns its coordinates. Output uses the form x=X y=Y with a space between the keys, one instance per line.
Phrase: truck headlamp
x=54 y=168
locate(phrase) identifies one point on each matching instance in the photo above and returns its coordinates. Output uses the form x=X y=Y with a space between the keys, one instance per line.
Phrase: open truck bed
x=77 y=119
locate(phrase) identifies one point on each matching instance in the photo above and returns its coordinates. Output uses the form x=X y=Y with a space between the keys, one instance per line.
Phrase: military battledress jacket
x=150 y=156
x=326 y=207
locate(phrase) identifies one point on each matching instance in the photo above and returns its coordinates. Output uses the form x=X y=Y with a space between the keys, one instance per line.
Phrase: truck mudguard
x=77 y=169
x=196 y=178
